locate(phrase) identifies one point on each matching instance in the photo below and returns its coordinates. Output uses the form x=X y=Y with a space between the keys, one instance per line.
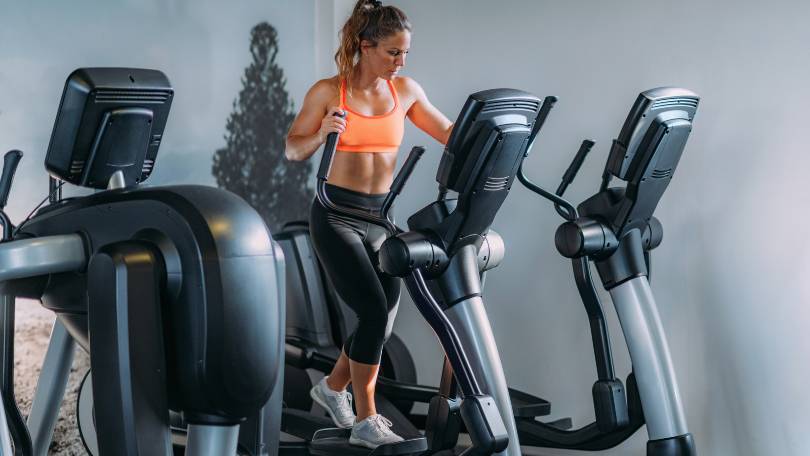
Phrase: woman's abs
x=363 y=172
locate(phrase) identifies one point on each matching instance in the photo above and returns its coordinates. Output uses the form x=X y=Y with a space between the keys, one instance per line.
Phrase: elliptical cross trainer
x=444 y=253
x=616 y=230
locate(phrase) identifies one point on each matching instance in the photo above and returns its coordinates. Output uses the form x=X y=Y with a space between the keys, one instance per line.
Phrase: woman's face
x=388 y=56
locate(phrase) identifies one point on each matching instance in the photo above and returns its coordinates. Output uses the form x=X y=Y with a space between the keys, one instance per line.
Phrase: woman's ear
x=365 y=45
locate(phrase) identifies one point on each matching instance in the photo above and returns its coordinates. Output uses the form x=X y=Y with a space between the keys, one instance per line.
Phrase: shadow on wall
x=252 y=163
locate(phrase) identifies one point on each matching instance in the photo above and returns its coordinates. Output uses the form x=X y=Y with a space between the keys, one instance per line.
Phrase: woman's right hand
x=333 y=122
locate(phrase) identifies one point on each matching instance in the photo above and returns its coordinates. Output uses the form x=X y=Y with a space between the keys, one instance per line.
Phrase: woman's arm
x=314 y=121
x=425 y=116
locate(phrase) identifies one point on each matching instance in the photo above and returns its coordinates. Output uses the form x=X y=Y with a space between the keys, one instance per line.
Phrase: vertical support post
x=210 y=440
x=260 y=433
x=652 y=363
x=50 y=389
x=470 y=319
x=13 y=418
x=127 y=355
x=468 y=316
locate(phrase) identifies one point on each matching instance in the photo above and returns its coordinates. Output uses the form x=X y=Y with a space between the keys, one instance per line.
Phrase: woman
x=375 y=101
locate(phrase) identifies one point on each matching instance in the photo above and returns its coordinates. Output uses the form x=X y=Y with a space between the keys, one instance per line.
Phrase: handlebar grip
x=407 y=169
x=576 y=163
x=10 y=162
x=328 y=154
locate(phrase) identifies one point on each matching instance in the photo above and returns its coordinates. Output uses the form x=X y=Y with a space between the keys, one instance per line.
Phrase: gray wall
x=203 y=46
x=729 y=274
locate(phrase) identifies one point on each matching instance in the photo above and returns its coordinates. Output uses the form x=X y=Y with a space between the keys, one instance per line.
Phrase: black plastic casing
x=646 y=154
x=485 y=150
x=109 y=119
x=610 y=405
x=224 y=339
x=682 y=445
x=484 y=424
x=481 y=110
x=624 y=156
x=482 y=157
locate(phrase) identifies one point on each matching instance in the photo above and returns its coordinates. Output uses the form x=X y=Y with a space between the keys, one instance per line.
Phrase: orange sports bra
x=381 y=133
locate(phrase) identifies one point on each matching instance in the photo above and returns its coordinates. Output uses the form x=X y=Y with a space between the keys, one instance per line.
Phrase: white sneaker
x=338 y=404
x=373 y=432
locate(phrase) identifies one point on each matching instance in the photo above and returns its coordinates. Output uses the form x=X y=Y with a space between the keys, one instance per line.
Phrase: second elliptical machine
x=616 y=230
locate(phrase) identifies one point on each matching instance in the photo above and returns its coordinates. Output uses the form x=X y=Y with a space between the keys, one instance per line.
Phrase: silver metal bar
x=39 y=256
x=30 y=258
x=206 y=440
x=7 y=334
x=652 y=364
x=471 y=322
x=6 y=312
x=117 y=181
x=50 y=388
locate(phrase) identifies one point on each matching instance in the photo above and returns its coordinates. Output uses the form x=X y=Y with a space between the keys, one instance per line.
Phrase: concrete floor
x=33 y=328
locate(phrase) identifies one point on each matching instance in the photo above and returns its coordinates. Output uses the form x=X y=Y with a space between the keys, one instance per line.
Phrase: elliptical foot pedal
x=525 y=405
x=562 y=424
x=332 y=441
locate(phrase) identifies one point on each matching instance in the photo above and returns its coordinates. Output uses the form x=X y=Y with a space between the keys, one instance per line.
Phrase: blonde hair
x=370 y=21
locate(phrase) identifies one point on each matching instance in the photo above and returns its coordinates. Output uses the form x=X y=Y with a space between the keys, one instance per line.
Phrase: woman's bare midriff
x=364 y=172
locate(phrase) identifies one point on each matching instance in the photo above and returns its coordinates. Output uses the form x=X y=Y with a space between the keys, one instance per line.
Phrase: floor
x=33 y=328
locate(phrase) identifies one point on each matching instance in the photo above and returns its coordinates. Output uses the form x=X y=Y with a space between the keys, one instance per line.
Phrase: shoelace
x=381 y=425
x=344 y=400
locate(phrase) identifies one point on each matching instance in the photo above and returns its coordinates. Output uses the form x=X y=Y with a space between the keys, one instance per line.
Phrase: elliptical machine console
x=174 y=291
x=616 y=229
x=110 y=120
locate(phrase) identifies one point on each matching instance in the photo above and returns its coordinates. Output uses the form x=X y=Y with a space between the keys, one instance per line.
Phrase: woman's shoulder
x=324 y=90
x=406 y=84
x=408 y=88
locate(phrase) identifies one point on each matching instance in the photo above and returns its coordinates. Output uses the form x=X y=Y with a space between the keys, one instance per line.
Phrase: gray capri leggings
x=348 y=248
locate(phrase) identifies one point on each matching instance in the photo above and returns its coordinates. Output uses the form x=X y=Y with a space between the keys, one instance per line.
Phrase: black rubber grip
x=328 y=154
x=407 y=169
x=10 y=162
x=576 y=163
